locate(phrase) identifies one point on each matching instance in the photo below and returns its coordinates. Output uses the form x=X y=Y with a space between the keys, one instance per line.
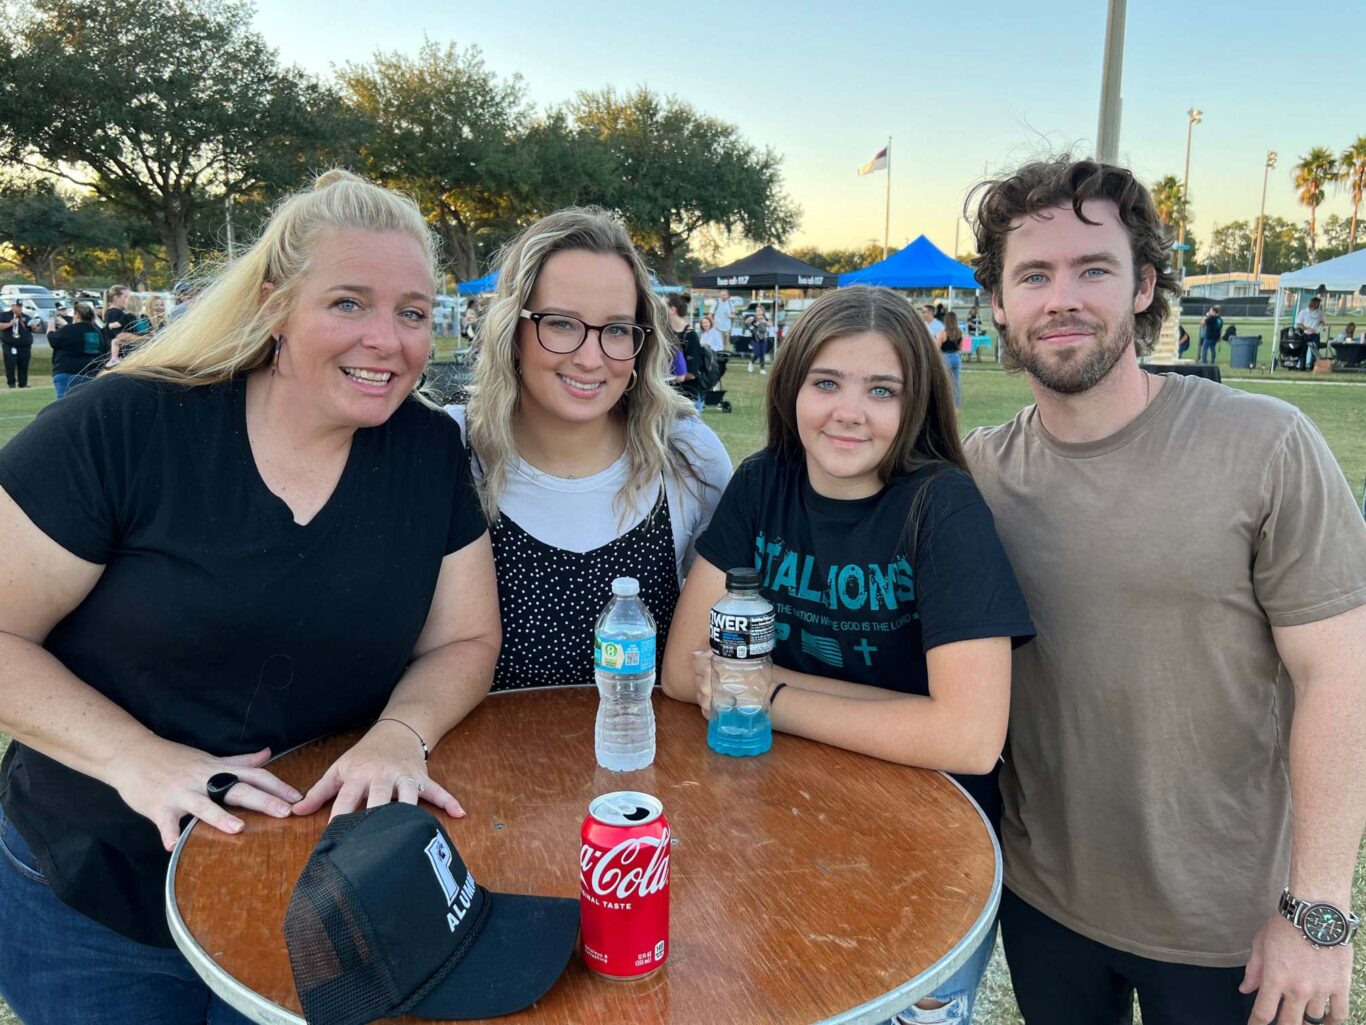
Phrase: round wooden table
x=808 y=885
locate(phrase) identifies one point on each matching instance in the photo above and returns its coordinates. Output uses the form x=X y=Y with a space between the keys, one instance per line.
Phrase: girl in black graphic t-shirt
x=880 y=557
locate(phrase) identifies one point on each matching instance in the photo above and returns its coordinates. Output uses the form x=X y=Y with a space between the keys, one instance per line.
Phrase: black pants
x=1062 y=978
x=16 y=359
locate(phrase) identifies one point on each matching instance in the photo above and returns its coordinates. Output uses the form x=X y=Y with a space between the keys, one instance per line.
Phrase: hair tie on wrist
x=774 y=695
x=410 y=730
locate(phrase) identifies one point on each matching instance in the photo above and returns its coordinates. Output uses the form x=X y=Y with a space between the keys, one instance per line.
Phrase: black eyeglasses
x=562 y=334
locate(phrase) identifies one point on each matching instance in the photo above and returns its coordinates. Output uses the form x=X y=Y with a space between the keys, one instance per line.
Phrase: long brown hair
x=952 y=332
x=928 y=432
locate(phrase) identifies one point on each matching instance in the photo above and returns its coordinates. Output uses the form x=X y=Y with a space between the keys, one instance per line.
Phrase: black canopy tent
x=766 y=268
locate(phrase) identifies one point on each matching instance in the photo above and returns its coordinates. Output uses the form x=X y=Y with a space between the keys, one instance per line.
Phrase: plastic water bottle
x=741 y=669
x=624 y=664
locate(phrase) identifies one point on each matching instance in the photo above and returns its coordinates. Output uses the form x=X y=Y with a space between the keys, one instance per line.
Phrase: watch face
x=1324 y=925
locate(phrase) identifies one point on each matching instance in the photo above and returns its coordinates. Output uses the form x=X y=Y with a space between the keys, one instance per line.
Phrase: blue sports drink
x=741 y=637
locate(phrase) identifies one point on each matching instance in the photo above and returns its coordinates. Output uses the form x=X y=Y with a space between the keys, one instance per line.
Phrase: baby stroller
x=709 y=375
x=1294 y=350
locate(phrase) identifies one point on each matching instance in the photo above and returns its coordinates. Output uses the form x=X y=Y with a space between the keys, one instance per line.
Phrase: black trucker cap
x=387 y=920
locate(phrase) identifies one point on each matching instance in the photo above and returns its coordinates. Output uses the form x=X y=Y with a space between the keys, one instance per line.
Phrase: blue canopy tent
x=921 y=264
x=489 y=283
x=479 y=286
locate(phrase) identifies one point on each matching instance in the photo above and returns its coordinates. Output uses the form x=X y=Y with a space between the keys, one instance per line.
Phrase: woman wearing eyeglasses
x=590 y=467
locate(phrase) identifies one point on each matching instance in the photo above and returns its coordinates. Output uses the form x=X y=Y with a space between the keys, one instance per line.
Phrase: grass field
x=1336 y=404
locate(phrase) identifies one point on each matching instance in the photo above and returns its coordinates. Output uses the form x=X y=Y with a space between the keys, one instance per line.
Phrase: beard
x=1075 y=370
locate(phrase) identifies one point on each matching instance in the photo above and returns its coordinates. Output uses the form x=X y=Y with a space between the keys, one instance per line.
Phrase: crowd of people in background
x=87 y=337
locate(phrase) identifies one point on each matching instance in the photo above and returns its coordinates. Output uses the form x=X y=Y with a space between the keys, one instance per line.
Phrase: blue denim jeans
x=958 y=993
x=64 y=383
x=58 y=967
x=954 y=361
x=1209 y=348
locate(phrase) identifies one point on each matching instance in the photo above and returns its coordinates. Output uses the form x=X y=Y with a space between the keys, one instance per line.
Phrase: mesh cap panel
x=339 y=969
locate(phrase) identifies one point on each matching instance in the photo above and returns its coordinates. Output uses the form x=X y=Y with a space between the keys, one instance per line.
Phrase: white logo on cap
x=458 y=898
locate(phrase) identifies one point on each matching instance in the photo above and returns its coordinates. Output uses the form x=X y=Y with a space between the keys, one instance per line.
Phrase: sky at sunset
x=824 y=85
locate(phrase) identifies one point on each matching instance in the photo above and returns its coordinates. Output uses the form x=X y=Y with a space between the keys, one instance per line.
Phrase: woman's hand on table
x=168 y=781
x=385 y=765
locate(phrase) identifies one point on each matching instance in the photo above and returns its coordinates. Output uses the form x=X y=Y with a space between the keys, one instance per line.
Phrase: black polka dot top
x=551 y=598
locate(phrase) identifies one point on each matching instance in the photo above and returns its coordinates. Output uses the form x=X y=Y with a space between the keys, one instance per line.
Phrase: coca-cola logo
x=624 y=871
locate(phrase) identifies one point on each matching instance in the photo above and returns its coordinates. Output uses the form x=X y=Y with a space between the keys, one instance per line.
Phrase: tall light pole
x=1193 y=117
x=1107 y=132
x=1271 y=156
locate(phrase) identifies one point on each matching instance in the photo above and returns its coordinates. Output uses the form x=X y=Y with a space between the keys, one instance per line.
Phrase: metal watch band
x=1292 y=909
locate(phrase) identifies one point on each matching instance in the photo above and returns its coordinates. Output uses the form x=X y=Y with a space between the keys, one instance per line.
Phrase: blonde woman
x=260 y=485
x=590 y=466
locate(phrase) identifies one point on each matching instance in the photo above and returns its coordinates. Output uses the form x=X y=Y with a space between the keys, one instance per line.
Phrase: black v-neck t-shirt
x=218 y=622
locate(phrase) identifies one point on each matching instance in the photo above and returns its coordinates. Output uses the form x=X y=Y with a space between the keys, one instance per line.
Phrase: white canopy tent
x=1342 y=274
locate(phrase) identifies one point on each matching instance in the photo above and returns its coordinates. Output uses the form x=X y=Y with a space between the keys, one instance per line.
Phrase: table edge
x=247 y=1001
x=894 y=1001
x=223 y=983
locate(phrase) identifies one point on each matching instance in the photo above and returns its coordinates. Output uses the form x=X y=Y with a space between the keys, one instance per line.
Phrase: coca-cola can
x=624 y=885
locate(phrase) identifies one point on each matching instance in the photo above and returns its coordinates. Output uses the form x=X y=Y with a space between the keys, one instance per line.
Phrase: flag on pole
x=878 y=163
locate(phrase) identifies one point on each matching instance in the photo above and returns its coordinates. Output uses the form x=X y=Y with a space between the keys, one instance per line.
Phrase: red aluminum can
x=624 y=885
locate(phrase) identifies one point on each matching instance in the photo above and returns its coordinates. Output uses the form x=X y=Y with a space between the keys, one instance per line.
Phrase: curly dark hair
x=1062 y=181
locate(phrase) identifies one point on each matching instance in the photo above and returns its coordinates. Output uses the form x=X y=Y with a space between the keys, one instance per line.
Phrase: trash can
x=1242 y=352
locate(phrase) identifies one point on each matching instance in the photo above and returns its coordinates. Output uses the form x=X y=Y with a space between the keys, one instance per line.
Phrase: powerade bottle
x=741 y=669
x=624 y=665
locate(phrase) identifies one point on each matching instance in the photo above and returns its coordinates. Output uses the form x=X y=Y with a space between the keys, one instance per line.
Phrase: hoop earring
x=634 y=378
x=275 y=357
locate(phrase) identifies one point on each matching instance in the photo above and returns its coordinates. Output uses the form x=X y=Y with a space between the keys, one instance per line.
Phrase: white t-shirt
x=578 y=515
x=936 y=328
x=1310 y=320
x=720 y=314
x=714 y=339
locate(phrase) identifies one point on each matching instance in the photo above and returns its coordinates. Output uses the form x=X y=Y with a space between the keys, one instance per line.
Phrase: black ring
x=218 y=786
x=1315 y=1021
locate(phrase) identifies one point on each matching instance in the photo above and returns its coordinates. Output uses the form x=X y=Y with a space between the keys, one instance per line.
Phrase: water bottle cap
x=742 y=578
x=626 y=587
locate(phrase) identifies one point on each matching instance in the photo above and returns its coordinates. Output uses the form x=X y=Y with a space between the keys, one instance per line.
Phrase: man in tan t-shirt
x=1196 y=568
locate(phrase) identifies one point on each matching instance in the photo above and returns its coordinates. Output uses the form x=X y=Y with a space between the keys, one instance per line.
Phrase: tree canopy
x=671 y=171
x=442 y=127
x=160 y=115
x=842 y=261
x=1285 y=246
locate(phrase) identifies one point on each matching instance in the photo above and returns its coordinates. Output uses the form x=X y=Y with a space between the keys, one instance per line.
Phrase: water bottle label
x=741 y=636
x=626 y=658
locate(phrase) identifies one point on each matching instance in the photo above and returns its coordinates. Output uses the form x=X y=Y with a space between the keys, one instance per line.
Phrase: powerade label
x=735 y=636
x=625 y=658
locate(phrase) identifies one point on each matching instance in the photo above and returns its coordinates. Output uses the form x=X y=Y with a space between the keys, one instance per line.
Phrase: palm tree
x=1352 y=166
x=1169 y=202
x=1312 y=175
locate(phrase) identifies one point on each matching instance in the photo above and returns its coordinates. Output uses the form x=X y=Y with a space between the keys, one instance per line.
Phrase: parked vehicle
x=38 y=303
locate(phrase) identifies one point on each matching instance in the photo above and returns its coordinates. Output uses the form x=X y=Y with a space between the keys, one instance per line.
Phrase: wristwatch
x=1323 y=924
